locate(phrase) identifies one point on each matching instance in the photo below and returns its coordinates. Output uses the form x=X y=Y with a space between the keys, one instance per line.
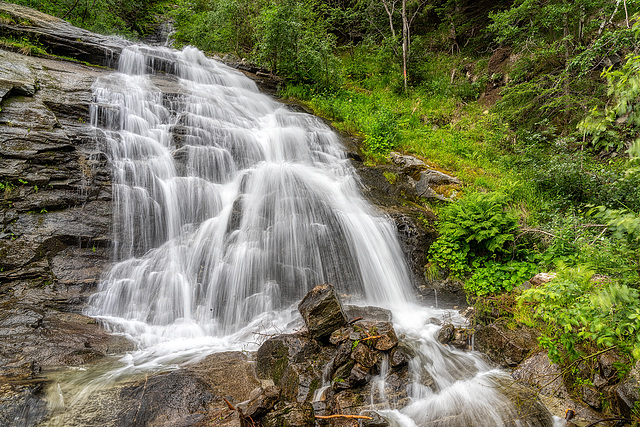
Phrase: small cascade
x=378 y=398
x=228 y=209
x=320 y=394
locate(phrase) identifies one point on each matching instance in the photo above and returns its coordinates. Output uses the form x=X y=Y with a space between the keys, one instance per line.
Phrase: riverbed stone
x=540 y=373
x=322 y=311
x=446 y=333
x=505 y=346
x=628 y=391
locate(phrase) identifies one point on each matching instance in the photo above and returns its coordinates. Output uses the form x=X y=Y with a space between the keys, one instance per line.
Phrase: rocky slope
x=55 y=208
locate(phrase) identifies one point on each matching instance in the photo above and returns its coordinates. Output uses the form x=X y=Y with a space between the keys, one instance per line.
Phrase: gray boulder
x=322 y=311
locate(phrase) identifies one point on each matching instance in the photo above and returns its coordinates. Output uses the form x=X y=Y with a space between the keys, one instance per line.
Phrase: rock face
x=506 y=347
x=59 y=37
x=628 y=392
x=55 y=208
x=195 y=395
x=539 y=373
x=399 y=190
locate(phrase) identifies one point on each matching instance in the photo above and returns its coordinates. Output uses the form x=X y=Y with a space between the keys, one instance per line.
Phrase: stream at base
x=229 y=208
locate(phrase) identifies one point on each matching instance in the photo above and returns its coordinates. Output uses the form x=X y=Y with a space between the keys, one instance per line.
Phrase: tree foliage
x=126 y=17
x=618 y=125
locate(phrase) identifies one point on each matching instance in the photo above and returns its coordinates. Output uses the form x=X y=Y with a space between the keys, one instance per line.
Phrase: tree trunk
x=405 y=42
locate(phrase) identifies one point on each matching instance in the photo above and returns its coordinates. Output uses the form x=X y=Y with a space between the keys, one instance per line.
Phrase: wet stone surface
x=55 y=218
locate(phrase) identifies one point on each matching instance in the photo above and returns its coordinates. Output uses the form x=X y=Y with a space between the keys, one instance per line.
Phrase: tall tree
x=406 y=12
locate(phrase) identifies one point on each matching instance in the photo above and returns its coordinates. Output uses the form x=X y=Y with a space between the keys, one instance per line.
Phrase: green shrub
x=494 y=277
x=576 y=311
x=477 y=226
x=381 y=132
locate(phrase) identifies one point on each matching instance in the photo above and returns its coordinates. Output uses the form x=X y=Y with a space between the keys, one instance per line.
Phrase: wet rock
x=292 y=415
x=376 y=421
x=359 y=375
x=538 y=372
x=399 y=356
x=21 y=405
x=294 y=362
x=506 y=347
x=172 y=399
x=192 y=395
x=365 y=356
x=261 y=401
x=446 y=333
x=461 y=338
x=230 y=374
x=59 y=37
x=339 y=335
x=378 y=314
x=340 y=377
x=56 y=216
x=322 y=311
x=627 y=392
x=387 y=337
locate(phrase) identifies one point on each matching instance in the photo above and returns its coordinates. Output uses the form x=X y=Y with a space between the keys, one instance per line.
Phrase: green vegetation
x=131 y=18
x=534 y=106
x=23 y=46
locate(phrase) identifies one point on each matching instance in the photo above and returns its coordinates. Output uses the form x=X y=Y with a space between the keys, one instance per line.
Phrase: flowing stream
x=229 y=208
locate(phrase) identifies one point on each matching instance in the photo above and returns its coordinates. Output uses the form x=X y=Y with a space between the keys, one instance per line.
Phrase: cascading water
x=229 y=208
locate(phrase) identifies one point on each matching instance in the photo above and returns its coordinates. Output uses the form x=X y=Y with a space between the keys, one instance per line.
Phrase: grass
x=434 y=122
x=23 y=46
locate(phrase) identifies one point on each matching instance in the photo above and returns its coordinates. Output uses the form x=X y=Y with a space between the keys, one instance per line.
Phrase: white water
x=228 y=209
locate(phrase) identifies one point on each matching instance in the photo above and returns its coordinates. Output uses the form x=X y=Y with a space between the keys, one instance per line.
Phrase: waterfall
x=229 y=208
x=227 y=204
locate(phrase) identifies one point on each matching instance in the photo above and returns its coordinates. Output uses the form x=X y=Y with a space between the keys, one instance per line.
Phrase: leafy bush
x=477 y=226
x=573 y=177
x=618 y=124
x=125 y=17
x=576 y=311
x=495 y=277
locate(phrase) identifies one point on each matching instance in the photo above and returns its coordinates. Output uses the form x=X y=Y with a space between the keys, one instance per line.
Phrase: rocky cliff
x=55 y=208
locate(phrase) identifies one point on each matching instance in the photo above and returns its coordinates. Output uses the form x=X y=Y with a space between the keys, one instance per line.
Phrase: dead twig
x=328 y=417
x=230 y=405
x=352 y=321
x=534 y=230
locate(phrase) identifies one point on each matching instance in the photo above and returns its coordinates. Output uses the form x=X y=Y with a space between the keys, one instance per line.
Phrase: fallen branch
x=245 y=421
x=534 y=230
x=372 y=337
x=233 y=408
x=327 y=417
